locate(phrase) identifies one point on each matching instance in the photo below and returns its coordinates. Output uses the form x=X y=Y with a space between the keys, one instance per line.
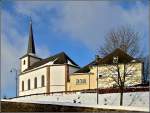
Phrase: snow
x=85 y=105
x=134 y=100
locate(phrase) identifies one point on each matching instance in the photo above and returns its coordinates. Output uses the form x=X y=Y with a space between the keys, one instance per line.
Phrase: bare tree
x=127 y=40
x=124 y=38
x=119 y=73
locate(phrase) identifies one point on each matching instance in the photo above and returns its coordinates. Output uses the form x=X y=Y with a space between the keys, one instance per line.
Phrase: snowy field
x=133 y=99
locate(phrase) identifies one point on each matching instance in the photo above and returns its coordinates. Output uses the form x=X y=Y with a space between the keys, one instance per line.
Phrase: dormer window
x=115 y=60
x=24 y=62
x=133 y=61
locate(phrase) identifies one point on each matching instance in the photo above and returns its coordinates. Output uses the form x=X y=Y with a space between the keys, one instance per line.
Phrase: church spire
x=31 y=46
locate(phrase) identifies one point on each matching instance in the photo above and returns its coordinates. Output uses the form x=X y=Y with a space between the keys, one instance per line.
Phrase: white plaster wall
x=33 y=60
x=34 y=91
x=24 y=66
x=57 y=78
x=31 y=75
x=57 y=88
x=72 y=69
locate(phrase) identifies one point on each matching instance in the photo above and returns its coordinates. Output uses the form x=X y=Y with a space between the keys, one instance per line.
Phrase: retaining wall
x=32 y=107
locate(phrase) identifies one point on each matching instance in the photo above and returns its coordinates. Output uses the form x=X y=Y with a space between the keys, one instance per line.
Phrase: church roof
x=108 y=59
x=32 y=55
x=60 y=58
x=31 y=46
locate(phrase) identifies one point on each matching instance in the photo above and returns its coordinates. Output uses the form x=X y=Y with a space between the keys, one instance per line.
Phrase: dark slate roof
x=31 y=46
x=60 y=58
x=86 y=68
x=123 y=58
x=30 y=55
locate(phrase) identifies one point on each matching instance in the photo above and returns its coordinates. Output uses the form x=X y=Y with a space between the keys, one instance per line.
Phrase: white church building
x=44 y=75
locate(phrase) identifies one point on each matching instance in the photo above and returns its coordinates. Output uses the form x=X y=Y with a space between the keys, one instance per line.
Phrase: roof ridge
x=62 y=56
x=117 y=51
x=67 y=57
x=86 y=67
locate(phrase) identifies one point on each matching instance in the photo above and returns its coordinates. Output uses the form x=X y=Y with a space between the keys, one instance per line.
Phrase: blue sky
x=76 y=27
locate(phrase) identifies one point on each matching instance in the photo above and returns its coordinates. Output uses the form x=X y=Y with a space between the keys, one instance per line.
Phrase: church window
x=28 y=84
x=42 y=81
x=24 y=62
x=22 y=85
x=35 y=82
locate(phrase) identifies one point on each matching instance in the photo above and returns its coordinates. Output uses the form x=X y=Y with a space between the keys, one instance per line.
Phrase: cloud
x=84 y=21
x=11 y=49
x=87 y=22
x=90 y=21
x=13 y=46
x=38 y=10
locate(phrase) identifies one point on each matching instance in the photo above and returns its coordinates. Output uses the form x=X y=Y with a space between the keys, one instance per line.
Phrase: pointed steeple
x=31 y=46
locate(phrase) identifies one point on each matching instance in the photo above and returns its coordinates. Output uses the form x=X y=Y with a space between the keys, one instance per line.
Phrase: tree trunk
x=121 y=97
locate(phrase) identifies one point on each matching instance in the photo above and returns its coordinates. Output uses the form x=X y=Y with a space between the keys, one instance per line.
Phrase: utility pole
x=16 y=75
x=97 y=57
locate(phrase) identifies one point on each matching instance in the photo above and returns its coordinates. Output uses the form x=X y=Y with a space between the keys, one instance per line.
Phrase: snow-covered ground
x=128 y=108
x=134 y=99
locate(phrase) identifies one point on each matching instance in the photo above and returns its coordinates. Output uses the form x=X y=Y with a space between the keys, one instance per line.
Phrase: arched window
x=35 y=82
x=22 y=85
x=28 y=84
x=42 y=81
x=24 y=62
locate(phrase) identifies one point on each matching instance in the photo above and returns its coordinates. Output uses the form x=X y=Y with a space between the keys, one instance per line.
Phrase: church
x=44 y=75
x=60 y=73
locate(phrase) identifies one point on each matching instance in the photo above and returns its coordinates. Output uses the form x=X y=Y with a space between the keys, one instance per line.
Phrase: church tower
x=30 y=57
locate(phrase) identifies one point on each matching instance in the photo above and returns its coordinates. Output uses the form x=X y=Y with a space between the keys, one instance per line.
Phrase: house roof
x=86 y=68
x=122 y=58
x=60 y=58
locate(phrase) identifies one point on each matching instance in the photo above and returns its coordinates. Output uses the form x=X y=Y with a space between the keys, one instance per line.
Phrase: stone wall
x=32 y=107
